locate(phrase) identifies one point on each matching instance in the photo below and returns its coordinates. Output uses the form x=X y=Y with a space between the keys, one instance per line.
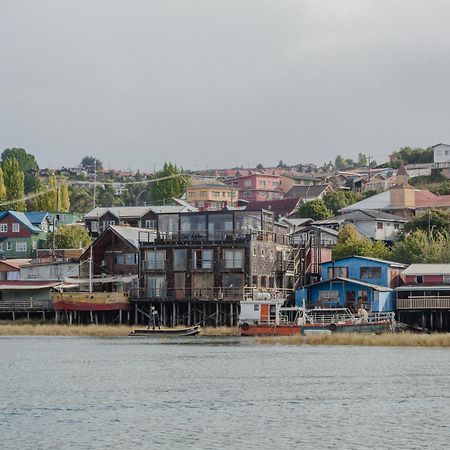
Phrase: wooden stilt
x=217 y=315
x=91 y=315
x=231 y=315
x=204 y=314
x=120 y=317
x=135 y=314
x=174 y=307
x=28 y=315
x=14 y=316
x=189 y=314
x=56 y=317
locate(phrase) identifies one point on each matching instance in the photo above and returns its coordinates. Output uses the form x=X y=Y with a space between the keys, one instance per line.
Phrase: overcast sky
x=222 y=83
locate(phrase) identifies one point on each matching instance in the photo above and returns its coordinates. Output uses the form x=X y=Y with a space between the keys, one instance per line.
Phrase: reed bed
x=29 y=329
x=46 y=329
x=369 y=340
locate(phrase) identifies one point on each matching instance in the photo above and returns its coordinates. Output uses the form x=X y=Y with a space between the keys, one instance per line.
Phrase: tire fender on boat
x=245 y=326
x=332 y=327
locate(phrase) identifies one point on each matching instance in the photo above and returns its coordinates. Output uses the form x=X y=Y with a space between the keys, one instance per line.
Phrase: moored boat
x=270 y=318
x=190 y=331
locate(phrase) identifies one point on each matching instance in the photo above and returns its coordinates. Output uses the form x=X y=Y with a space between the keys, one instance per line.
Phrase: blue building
x=354 y=282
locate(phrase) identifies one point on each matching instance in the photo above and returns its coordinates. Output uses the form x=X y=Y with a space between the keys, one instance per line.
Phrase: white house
x=375 y=225
x=441 y=155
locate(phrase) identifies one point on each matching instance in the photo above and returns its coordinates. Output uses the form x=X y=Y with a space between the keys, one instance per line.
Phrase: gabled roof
x=15 y=263
x=283 y=207
x=362 y=216
x=376 y=287
x=131 y=234
x=21 y=217
x=36 y=217
x=427 y=269
x=368 y=258
x=128 y=212
x=307 y=191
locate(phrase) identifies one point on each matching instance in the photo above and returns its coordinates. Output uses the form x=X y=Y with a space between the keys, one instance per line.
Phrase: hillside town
x=92 y=245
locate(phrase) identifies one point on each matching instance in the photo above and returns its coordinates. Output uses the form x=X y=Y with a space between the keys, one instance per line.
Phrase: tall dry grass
x=29 y=329
x=370 y=340
x=46 y=329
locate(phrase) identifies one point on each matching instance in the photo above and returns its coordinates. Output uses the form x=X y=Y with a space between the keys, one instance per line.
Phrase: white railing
x=423 y=302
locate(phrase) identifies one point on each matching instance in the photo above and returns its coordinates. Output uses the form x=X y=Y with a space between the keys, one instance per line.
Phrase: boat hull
x=314 y=328
x=90 y=301
x=192 y=331
x=270 y=330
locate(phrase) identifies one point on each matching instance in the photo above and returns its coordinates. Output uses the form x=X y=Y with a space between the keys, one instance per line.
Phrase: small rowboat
x=192 y=331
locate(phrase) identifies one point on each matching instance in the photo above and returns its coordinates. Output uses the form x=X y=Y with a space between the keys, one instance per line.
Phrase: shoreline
x=436 y=340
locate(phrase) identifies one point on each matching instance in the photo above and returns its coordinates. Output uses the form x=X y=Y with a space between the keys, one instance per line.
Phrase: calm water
x=207 y=393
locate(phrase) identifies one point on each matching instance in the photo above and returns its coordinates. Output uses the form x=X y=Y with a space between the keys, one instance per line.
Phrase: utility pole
x=95 y=180
x=368 y=161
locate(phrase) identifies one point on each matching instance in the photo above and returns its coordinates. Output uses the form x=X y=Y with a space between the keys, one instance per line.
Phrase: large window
x=168 y=224
x=334 y=272
x=94 y=226
x=21 y=246
x=233 y=284
x=150 y=223
x=370 y=272
x=180 y=259
x=127 y=259
x=15 y=227
x=156 y=286
x=329 y=296
x=3 y=227
x=220 y=225
x=193 y=226
x=203 y=285
x=202 y=259
x=234 y=259
x=155 y=259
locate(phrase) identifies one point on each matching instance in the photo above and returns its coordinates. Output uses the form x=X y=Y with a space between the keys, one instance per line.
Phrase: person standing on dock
x=154 y=318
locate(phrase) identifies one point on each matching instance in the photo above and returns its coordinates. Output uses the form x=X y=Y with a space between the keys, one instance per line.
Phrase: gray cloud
x=222 y=83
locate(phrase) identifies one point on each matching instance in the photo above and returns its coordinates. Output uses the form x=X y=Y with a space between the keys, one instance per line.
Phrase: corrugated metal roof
x=384 y=261
x=418 y=288
x=131 y=234
x=427 y=269
x=352 y=280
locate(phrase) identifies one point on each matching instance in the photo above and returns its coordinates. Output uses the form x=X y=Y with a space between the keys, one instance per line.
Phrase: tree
x=339 y=162
x=64 y=200
x=408 y=155
x=27 y=164
x=80 y=199
x=175 y=186
x=260 y=166
x=89 y=162
x=362 y=160
x=349 y=243
x=419 y=247
x=337 y=200
x=433 y=221
x=14 y=183
x=315 y=209
x=70 y=236
x=2 y=188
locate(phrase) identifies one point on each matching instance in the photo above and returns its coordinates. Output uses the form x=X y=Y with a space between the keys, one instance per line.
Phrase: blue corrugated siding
x=379 y=301
x=354 y=265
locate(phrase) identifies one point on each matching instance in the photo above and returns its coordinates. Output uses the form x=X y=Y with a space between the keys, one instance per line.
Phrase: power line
x=29 y=197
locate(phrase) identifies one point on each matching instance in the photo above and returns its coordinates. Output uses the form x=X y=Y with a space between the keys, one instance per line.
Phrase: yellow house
x=207 y=196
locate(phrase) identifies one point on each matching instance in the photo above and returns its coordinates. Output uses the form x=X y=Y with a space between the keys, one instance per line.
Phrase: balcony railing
x=215 y=236
x=213 y=294
x=26 y=305
x=423 y=302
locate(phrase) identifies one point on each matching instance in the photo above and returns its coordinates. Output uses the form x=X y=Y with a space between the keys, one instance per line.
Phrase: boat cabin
x=255 y=312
